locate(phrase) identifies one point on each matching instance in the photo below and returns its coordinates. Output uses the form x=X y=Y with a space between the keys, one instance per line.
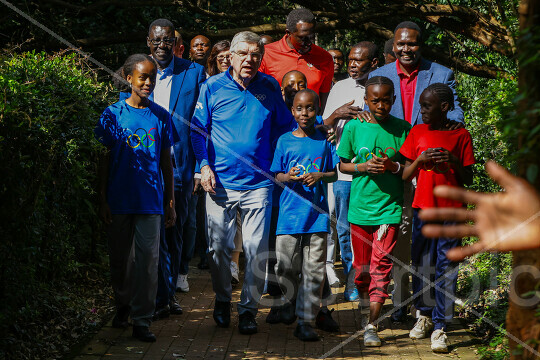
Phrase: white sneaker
x=182 y=283
x=422 y=328
x=371 y=338
x=333 y=280
x=234 y=273
x=439 y=341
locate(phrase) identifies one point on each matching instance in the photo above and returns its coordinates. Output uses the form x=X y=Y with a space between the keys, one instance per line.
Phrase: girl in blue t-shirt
x=136 y=133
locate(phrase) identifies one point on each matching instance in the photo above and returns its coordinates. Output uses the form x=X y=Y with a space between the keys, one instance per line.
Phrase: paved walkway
x=194 y=335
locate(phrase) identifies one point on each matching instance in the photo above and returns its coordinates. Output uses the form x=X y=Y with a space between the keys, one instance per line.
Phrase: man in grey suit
x=411 y=74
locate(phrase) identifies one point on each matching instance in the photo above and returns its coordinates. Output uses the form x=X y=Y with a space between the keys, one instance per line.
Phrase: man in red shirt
x=295 y=51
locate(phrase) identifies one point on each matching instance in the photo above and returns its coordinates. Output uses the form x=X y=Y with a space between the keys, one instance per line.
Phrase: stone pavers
x=194 y=335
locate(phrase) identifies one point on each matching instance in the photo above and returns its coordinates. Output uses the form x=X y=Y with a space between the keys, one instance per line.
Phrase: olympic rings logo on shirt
x=305 y=169
x=437 y=167
x=365 y=154
x=141 y=137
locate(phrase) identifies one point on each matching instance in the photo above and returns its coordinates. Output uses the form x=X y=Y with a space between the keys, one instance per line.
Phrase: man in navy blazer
x=411 y=68
x=411 y=74
x=177 y=89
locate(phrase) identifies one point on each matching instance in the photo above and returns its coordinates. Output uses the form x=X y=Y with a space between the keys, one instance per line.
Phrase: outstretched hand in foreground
x=504 y=221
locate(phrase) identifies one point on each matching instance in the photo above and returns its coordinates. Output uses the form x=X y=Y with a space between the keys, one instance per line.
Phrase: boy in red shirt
x=436 y=156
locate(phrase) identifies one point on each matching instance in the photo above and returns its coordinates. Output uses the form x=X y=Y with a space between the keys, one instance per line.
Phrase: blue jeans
x=189 y=235
x=342 y=193
x=170 y=248
x=429 y=260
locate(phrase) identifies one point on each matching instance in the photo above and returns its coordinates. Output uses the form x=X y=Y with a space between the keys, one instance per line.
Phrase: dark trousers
x=431 y=267
x=170 y=248
x=189 y=235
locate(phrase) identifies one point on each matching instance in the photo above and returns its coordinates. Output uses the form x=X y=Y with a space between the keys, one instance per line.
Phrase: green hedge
x=49 y=229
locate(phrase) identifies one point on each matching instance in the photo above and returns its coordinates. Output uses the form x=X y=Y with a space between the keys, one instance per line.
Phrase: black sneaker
x=143 y=333
x=288 y=315
x=175 y=308
x=247 y=324
x=120 y=320
x=161 y=313
x=305 y=332
x=274 y=316
x=325 y=322
x=222 y=313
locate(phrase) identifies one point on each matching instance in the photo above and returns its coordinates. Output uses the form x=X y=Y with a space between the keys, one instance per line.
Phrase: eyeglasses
x=166 y=41
x=223 y=57
x=243 y=55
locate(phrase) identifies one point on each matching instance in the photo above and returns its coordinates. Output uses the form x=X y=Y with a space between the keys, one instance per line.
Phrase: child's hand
x=427 y=155
x=442 y=155
x=293 y=174
x=384 y=160
x=170 y=216
x=374 y=166
x=312 y=178
x=105 y=213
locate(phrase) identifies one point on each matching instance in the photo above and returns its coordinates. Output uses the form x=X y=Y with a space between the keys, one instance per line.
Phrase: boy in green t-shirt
x=369 y=151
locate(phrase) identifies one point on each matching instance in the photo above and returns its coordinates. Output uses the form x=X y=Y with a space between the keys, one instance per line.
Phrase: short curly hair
x=299 y=15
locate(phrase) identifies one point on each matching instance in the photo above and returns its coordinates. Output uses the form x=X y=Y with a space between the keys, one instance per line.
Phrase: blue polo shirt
x=242 y=127
x=135 y=138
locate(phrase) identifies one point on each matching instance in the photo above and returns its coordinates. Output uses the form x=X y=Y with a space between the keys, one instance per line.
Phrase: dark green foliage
x=49 y=228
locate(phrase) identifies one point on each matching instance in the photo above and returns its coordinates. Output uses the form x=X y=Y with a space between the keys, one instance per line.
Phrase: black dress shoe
x=120 y=320
x=222 y=313
x=143 y=333
x=161 y=313
x=398 y=315
x=247 y=324
x=305 y=332
x=274 y=316
x=203 y=264
x=325 y=322
x=288 y=315
x=175 y=308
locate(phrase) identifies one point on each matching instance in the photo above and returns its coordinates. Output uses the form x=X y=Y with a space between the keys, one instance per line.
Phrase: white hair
x=246 y=36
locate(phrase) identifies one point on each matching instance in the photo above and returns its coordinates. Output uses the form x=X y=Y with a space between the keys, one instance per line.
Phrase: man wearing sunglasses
x=177 y=90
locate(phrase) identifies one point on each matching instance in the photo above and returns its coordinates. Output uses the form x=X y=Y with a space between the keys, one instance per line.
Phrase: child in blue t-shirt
x=303 y=161
x=136 y=133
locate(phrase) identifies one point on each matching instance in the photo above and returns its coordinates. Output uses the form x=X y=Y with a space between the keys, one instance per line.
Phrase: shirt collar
x=167 y=71
x=284 y=47
x=361 y=81
x=402 y=74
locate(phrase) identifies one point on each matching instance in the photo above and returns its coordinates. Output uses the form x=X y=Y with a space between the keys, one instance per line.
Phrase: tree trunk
x=522 y=323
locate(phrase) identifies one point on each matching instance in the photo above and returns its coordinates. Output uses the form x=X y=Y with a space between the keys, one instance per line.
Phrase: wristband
x=398 y=168
x=356 y=168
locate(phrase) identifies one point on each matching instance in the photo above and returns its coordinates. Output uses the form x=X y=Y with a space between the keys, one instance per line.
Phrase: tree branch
x=444 y=58
x=466 y=21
